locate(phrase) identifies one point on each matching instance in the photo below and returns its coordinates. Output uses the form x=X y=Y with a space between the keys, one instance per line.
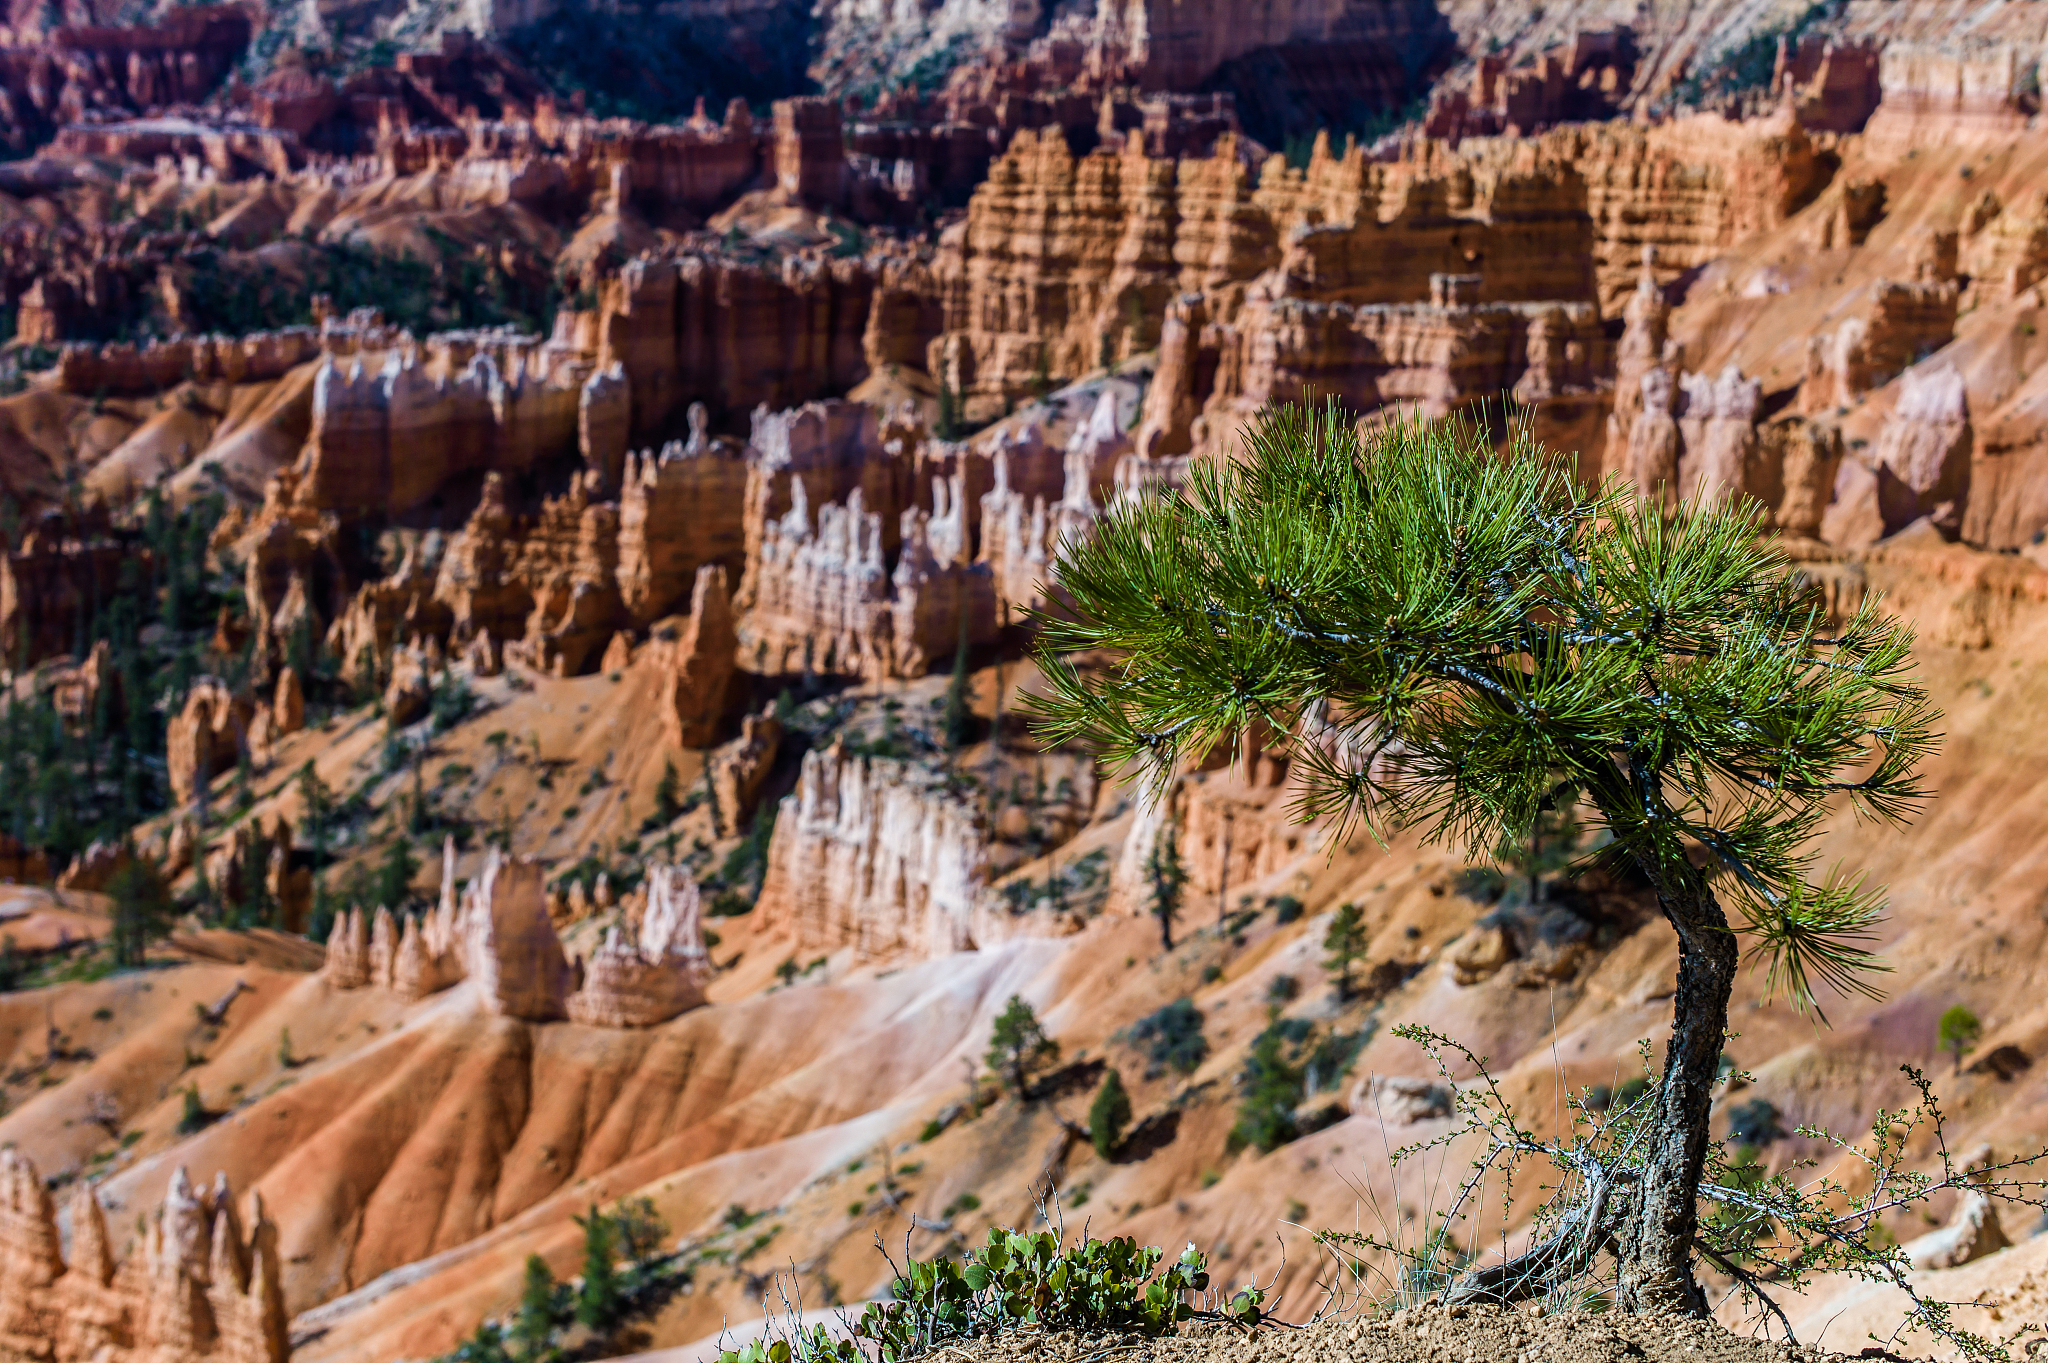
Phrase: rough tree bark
x=1655 y=1238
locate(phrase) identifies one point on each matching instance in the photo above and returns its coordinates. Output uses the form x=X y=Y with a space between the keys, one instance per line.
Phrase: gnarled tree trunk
x=1655 y=1236
x=1649 y=1221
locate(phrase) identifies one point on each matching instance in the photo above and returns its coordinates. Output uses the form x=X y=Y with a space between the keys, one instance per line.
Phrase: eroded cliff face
x=1248 y=276
x=62 y=72
x=875 y=854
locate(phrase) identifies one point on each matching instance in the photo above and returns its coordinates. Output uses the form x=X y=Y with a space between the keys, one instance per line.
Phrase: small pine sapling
x=668 y=803
x=1957 y=1033
x=959 y=718
x=544 y=1310
x=600 y=1300
x=1019 y=1045
x=1343 y=944
x=1109 y=1115
x=1167 y=876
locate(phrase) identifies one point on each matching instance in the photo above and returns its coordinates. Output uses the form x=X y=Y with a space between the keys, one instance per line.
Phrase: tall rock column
x=1923 y=452
x=1650 y=456
x=694 y=688
x=1647 y=317
x=1718 y=427
x=604 y=415
x=515 y=958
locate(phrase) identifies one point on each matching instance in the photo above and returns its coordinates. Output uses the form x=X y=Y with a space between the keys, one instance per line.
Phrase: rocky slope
x=402 y=457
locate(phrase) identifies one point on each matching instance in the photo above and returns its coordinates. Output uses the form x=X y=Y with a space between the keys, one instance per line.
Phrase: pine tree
x=600 y=1301
x=141 y=910
x=711 y=801
x=393 y=882
x=1271 y=1087
x=1344 y=943
x=1109 y=1115
x=1019 y=1045
x=668 y=806
x=193 y=1117
x=639 y=1229
x=959 y=713
x=1167 y=876
x=542 y=1312
x=1458 y=634
x=1957 y=1032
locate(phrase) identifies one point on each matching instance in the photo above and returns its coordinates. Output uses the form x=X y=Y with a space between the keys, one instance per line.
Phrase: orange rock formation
x=200 y=1288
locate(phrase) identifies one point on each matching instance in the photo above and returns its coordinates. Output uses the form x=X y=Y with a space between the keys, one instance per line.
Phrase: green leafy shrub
x=450 y=704
x=1098 y=1286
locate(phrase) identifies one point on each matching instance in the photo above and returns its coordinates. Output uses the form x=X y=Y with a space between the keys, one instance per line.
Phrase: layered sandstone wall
x=1123 y=251
x=388 y=435
x=701 y=484
x=160 y=364
x=1435 y=358
x=733 y=335
x=178 y=60
x=1972 y=89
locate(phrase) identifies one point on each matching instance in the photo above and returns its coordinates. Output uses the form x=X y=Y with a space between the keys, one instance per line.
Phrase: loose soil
x=1424 y=1334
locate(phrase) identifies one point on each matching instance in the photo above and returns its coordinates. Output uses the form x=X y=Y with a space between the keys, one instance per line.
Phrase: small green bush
x=1171 y=1037
x=1754 y=1124
x=195 y=1118
x=1097 y=1286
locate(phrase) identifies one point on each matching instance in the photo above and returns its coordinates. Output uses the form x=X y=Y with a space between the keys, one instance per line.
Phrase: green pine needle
x=1443 y=633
